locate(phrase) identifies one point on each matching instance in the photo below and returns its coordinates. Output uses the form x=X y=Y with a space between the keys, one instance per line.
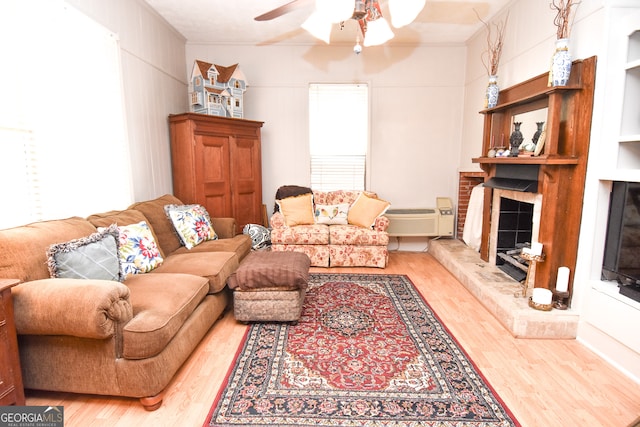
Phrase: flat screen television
x=622 y=248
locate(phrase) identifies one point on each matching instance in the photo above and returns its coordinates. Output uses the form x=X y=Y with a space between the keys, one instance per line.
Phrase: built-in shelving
x=610 y=318
x=629 y=139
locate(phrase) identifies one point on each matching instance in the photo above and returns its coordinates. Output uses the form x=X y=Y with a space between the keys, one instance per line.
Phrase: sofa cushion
x=338 y=196
x=240 y=244
x=357 y=236
x=139 y=252
x=29 y=261
x=297 y=210
x=365 y=210
x=216 y=267
x=317 y=234
x=191 y=223
x=161 y=305
x=93 y=257
x=154 y=210
x=123 y=217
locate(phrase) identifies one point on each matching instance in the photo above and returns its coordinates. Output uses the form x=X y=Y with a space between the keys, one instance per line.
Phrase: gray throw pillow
x=93 y=257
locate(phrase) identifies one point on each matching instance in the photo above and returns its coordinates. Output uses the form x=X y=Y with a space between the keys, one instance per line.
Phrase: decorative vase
x=538 y=132
x=491 y=96
x=516 y=138
x=560 y=64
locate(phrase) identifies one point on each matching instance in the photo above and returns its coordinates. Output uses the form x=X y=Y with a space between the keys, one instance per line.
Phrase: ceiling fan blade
x=283 y=10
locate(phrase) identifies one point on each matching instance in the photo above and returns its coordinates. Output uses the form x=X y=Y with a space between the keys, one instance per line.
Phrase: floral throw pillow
x=332 y=214
x=192 y=224
x=139 y=252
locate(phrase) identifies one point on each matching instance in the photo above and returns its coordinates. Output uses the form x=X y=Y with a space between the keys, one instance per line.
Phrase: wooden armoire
x=216 y=162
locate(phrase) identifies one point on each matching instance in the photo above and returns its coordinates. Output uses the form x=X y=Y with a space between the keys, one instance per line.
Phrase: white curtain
x=63 y=145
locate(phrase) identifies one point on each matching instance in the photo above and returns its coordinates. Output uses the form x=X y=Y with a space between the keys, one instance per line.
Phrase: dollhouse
x=217 y=90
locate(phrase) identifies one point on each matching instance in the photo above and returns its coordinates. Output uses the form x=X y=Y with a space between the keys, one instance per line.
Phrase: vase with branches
x=565 y=10
x=561 y=61
x=491 y=58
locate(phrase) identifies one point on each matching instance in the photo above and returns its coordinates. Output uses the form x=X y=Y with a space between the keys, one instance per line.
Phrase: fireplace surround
x=560 y=167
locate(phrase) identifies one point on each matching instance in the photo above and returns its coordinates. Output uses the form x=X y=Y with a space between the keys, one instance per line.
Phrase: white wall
x=416 y=107
x=153 y=73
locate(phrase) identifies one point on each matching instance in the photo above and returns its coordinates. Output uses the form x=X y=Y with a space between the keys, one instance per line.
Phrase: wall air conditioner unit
x=431 y=222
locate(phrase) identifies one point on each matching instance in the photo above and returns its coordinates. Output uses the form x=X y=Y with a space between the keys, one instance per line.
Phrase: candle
x=562 y=282
x=536 y=248
x=541 y=296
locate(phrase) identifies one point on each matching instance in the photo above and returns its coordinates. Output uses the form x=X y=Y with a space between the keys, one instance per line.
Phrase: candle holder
x=561 y=300
x=533 y=259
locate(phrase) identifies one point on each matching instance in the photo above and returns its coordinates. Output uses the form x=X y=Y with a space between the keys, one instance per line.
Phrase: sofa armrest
x=381 y=223
x=75 y=307
x=225 y=227
x=277 y=220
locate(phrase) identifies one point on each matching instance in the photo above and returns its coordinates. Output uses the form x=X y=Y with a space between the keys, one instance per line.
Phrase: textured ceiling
x=232 y=21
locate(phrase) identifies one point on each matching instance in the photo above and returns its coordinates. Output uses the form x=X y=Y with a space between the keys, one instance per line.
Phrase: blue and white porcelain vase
x=491 y=96
x=560 y=64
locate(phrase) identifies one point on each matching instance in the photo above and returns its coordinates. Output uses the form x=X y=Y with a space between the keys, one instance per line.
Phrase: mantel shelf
x=531 y=97
x=533 y=160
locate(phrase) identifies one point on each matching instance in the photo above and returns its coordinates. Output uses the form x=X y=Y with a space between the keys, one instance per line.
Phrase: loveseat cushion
x=316 y=234
x=24 y=249
x=216 y=267
x=161 y=305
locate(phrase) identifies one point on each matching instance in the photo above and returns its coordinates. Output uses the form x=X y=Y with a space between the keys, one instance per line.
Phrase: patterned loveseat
x=335 y=228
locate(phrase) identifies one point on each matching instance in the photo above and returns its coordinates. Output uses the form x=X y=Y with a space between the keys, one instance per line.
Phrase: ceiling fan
x=373 y=26
x=368 y=13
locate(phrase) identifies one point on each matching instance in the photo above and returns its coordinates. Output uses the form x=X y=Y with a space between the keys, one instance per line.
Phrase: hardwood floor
x=544 y=382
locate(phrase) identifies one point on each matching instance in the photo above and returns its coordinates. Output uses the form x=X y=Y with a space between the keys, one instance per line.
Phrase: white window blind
x=338 y=135
x=63 y=146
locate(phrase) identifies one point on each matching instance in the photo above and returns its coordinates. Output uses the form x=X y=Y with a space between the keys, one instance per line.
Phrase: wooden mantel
x=562 y=164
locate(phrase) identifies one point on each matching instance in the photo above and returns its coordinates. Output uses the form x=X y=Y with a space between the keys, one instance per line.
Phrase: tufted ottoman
x=270 y=286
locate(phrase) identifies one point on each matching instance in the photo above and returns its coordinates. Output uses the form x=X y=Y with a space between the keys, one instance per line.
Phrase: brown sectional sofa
x=111 y=338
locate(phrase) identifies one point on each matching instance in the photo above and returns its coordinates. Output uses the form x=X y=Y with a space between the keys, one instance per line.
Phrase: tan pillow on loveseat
x=297 y=210
x=365 y=210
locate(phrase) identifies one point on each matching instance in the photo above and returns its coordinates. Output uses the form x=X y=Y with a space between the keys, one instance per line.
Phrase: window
x=63 y=146
x=338 y=135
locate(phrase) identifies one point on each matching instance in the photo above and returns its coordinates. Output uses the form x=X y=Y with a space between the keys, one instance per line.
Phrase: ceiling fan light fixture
x=378 y=32
x=335 y=10
x=359 y=10
x=318 y=26
x=403 y=12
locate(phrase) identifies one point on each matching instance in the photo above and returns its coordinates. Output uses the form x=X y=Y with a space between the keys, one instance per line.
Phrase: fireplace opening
x=515 y=229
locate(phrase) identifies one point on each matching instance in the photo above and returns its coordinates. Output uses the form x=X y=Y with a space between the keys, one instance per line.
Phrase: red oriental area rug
x=367 y=351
